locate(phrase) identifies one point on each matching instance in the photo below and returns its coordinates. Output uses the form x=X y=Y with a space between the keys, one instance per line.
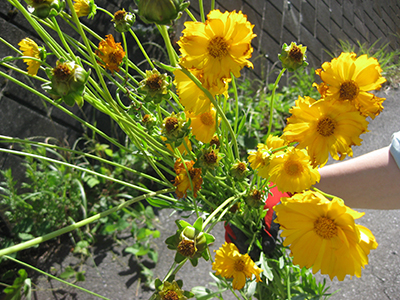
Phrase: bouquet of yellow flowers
x=177 y=119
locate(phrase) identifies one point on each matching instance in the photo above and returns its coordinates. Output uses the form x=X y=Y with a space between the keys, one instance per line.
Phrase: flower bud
x=175 y=128
x=45 y=8
x=239 y=170
x=67 y=82
x=123 y=20
x=155 y=86
x=255 y=199
x=293 y=57
x=161 y=12
x=85 y=8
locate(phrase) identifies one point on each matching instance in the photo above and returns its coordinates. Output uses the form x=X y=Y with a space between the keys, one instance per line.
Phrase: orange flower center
x=207 y=118
x=293 y=168
x=325 y=228
x=239 y=265
x=326 y=126
x=349 y=90
x=119 y=15
x=256 y=195
x=211 y=157
x=186 y=248
x=115 y=57
x=218 y=47
x=171 y=124
x=62 y=72
x=171 y=295
x=154 y=82
x=215 y=141
x=241 y=167
x=295 y=54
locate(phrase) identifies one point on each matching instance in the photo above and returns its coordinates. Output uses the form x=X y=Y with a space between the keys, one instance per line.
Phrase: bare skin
x=370 y=181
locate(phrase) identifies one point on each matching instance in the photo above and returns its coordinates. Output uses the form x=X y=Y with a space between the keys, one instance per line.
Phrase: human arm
x=370 y=181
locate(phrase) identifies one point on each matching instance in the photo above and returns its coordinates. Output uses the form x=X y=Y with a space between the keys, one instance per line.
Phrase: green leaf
x=14 y=292
x=137 y=249
x=251 y=289
x=69 y=272
x=198 y=225
x=203 y=293
x=267 y=271
x=79 y=276
x=158 y=203
x=153 y=255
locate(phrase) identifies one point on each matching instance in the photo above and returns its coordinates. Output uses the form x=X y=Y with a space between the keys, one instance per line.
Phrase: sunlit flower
x=203 y=125
x=30 y=48
x=123 y=20
x=182 y=181
x=259 y=160
x=323 y=128
x=349 y=79
x=110 y=53
x=291 y=170
x=83 y=7
x=230 y=263
x=322 y=234
x=219 y=46
x=191 y=96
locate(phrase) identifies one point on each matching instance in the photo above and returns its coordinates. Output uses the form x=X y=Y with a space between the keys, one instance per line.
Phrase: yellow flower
x=30 y=48
x=191 y=96
x=182 y=181
x=230 y=263
x=349 y=79
x=82 y=8
x=219 y=46
x=110 y=53
x=171 y=291
x=259 y=160
x=181 y=148
x=291 y=170
x=203 y=125
x=325 y=128
x=322 y=234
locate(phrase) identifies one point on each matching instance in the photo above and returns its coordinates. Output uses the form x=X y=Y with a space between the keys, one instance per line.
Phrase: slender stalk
x=90 y=126
x=271 y=109
x=201 y=8
x=143 y=51
x=54 y=277
x=235 y=126
x=217 y=107
x=7 y=139
x=84 y=170
x=79 y=224
x=226 y=202
x=63 y=41
x=171 y=51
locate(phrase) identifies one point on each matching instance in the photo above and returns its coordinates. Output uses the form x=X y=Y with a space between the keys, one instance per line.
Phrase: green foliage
x=21 y=287
x=50 y=196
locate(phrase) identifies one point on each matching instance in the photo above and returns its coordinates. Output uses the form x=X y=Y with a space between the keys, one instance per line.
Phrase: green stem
x=171 y=51
x=143 y=74
x=54 y=277
x=7 y=139
x=201 y=8
x=226 y=202
x=79 y=224
x=217 y=107
x=271 y=109
x=84 y=170
x=235 y=126
x=83 y=122
x=63 y=41
x=190 y=15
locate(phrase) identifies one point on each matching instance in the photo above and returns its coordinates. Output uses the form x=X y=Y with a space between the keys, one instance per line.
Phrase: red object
x=272 y=200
